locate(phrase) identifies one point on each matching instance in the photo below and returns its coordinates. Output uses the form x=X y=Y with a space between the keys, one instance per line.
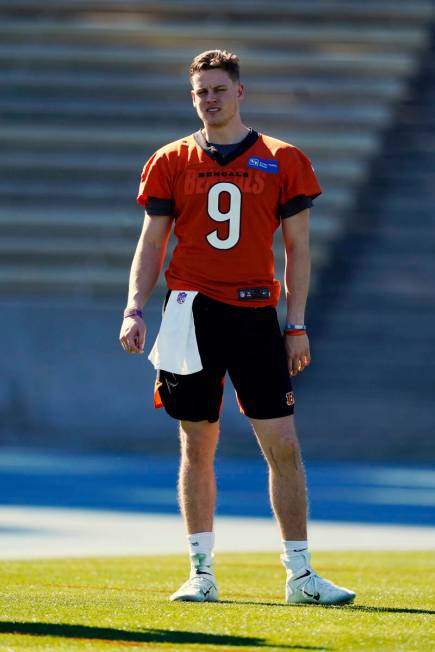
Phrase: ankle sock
x=201 y=546
x=293 y=547
x=295 y=556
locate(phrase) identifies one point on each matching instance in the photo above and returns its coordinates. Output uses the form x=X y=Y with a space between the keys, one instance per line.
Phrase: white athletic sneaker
x=305 y=587
x=198 y=588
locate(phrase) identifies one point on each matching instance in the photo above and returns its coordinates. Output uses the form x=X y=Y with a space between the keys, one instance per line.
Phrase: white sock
x=201 y=546
x=296 y=556
x=293 y=547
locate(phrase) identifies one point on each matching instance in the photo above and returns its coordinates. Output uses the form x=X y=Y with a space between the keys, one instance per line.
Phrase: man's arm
x=145 y=269
x=295 y=231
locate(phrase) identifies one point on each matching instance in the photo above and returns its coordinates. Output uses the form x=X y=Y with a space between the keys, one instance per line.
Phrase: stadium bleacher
x=90 y=89
x=374 y=317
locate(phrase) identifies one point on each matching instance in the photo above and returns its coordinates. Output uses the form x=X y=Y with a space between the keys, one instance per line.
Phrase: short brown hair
x=216 y=59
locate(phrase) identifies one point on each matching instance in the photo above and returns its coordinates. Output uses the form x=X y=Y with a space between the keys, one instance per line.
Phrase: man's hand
x=132 y=335
x=298 y=353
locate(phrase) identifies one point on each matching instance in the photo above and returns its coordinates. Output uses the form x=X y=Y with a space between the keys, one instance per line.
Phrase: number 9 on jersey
x=232 y=216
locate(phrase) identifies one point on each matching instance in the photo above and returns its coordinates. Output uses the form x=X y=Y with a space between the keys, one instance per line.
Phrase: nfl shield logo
x=181 y=297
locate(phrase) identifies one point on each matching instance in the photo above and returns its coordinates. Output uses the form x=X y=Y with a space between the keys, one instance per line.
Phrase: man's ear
x=241 y=92
x=192 y=95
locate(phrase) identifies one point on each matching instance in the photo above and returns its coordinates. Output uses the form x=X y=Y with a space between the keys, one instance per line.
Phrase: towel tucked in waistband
x=176 y=348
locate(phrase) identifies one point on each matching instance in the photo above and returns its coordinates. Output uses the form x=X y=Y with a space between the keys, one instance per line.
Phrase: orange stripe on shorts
x=158 y=403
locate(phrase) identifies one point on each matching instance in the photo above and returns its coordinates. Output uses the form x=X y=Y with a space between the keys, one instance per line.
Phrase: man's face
x=216 y=97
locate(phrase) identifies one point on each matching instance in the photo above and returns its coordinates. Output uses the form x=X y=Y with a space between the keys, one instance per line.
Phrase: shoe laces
x=197 y=581
x=315 y=584
x=309 y=584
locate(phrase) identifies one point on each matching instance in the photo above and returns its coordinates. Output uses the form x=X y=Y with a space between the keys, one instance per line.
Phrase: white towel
x=176 y=348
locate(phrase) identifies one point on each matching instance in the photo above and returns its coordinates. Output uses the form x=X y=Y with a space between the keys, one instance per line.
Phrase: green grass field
x=119 y=604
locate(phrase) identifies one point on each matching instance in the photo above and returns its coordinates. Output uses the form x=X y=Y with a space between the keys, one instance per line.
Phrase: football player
x=225 y=190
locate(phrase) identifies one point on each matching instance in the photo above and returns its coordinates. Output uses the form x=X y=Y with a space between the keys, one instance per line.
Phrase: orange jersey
x=226 y=210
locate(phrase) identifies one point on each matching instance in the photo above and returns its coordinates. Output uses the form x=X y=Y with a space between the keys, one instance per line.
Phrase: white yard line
x=32 y=533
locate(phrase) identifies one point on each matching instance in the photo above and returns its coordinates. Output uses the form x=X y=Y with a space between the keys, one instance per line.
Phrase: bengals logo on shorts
x=290 y=398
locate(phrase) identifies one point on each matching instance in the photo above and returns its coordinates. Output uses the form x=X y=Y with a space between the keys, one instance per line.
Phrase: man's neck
x=225 y=135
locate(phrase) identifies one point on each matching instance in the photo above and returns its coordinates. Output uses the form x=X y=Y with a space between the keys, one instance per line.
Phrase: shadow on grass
x=392 y=610
x=257 y=603
x=145 y=636
x=348 y=607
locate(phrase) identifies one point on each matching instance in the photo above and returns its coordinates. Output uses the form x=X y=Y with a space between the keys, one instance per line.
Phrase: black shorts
x=246 y=342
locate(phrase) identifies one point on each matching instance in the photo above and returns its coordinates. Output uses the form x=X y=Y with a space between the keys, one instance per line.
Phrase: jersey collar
x=242 y=147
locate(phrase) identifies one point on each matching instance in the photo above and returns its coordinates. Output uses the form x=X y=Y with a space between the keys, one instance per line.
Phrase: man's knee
x=286 y=446
x=280 y=431
x=284 y=456
x=279 y=441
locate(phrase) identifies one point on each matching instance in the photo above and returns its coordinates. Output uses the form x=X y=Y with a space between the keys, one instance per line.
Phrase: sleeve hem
x=296 y=205
x=155 y=206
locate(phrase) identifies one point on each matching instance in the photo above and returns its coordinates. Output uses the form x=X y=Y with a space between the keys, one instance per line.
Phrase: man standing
x=227 y=189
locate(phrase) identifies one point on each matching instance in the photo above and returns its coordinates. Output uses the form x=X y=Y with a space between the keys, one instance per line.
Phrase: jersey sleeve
x=299 y=184
x=155 y=188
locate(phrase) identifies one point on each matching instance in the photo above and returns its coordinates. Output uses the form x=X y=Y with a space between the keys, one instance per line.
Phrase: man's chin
x=214 y=120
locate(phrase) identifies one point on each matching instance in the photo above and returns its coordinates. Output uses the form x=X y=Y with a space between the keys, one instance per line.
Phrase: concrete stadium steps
x=319 y=124
x=82 y=279
x=66 y=252
x=99 y=225
x=58 y=136
x=95 y=195
x=375 y=347
x=331 y=73
x=100 y=112
x=144 y=33
x=34 y=161
x=245 y=10
x=48 y=165
x=301 y=98
x=64 y=280
x=60 y=251
x=88 y=90
x=47 y=172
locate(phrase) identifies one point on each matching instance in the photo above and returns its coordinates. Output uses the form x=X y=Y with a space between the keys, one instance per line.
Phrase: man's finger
x=299 y=365
x=305 y=361
x=137 y=344
x=125 y=345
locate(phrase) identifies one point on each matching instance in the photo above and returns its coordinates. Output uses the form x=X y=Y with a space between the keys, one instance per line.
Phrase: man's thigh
x=195 y=397
x=198 y=396
x=258 y=366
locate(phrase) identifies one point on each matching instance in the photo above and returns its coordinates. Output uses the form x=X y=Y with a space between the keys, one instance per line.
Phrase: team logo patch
x=263 y=164
x=181 y=297
x=290 y=398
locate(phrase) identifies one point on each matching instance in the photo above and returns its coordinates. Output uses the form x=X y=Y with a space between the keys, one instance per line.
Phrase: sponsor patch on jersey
x=181 y=297
x=263 y=164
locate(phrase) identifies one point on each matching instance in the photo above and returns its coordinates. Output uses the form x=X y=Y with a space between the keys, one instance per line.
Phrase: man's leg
x=197 y=497
x=279 y=443
x=197 y=485
x=288 y=496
